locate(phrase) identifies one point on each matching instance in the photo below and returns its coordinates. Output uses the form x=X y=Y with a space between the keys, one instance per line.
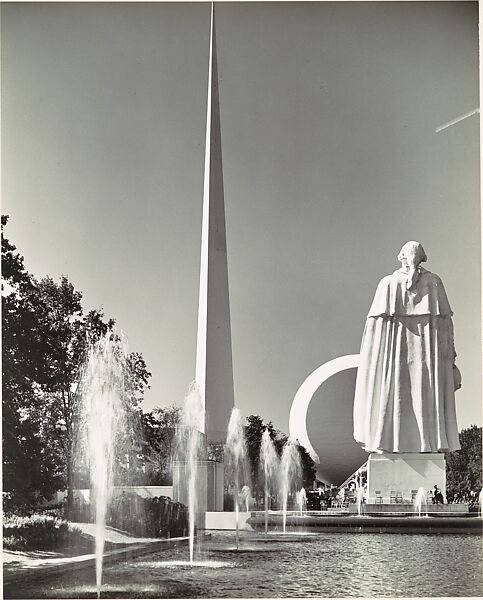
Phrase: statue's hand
x=456 y=377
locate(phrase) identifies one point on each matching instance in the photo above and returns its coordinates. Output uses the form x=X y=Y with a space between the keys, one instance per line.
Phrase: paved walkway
x=114 y=536
x=30 y=564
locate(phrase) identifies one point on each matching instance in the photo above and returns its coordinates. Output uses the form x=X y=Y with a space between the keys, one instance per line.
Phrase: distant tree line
x=463 y=467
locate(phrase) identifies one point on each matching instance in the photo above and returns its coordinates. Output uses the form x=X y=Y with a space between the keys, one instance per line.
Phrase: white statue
x=404 y=398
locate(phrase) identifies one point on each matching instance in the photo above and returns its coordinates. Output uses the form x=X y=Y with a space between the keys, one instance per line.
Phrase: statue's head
x=412 y=254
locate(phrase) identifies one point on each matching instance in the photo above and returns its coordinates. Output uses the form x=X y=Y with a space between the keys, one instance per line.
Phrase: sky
x=331 y=163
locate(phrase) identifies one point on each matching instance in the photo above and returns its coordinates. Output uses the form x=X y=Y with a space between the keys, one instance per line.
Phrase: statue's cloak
x=404 y=398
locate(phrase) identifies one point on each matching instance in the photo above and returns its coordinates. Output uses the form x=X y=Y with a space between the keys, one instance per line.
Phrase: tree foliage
x=253 y=435
x=29 y=466
x=216 y=451
x=46 y=336
x=159 y=440
x=463 y=467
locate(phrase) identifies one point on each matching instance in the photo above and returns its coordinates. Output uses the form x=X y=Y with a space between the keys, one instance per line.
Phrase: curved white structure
x=298 y=412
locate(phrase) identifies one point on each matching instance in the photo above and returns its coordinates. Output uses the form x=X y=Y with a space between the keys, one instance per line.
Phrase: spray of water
x=102 y=419
x=360 y=495
x=236 y=460
x=245 y=497
x=419 y=500
x=301 y=500
x=480 y=502
x=189 y=451
x=290 y=469
x=271 y=465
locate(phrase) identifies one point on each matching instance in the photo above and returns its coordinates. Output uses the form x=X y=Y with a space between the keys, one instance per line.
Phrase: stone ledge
x=387 y=523
x=64 y=565
x=372 y=507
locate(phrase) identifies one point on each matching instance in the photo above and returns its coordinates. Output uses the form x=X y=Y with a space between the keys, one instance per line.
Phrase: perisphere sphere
x=329 y=428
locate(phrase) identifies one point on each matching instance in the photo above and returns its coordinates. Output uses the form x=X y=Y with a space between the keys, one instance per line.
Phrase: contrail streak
x=458 y=119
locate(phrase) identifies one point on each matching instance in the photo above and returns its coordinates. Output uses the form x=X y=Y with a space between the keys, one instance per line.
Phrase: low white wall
x=146 y=491
x=226 y=520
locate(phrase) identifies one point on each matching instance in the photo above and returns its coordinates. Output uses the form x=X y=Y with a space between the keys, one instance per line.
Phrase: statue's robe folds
x=404 y=398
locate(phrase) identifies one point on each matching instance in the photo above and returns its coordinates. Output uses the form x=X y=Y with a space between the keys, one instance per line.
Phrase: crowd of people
x=464 y=497
x=331 y=497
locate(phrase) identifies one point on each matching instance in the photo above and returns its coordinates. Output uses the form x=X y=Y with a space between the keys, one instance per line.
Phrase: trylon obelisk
x=214 y=366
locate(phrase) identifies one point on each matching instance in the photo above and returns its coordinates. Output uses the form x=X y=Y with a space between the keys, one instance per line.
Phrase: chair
x=378 y=497
x=399 y=497
x=414 y=493
x=392 y=497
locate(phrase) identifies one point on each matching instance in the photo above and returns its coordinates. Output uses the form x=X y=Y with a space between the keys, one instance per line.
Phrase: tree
x=463 y=467
x=66 y=333
x=129 y=459
x=306 y=462
x=216 y=451
x=308 y=468
x=253 y=436
x=46 y=338
x=30 y=468
x=159 y=440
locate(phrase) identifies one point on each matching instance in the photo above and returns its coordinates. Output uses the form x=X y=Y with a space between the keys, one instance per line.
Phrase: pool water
x=326 y=564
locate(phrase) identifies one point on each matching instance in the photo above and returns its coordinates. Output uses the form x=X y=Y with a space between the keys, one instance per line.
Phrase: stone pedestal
x=214 y=486
x=394 y=478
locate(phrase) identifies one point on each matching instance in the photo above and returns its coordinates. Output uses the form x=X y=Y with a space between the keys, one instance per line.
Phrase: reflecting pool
x=326 y=564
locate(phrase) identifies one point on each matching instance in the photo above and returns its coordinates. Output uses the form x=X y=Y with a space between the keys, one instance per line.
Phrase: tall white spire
x=214 y=366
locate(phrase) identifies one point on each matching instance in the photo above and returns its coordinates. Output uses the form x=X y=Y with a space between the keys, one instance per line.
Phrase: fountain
x=189 y=452
x=419 y=500
x=270 y=463
x=102 y=420
x=290 y=471
x=360 y=495
x=245 y=497
x=235 y=456
x=301 y=500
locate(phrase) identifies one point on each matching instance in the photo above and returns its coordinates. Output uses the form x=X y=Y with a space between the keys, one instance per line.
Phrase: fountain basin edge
x=41 y=570
x=371 y=524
